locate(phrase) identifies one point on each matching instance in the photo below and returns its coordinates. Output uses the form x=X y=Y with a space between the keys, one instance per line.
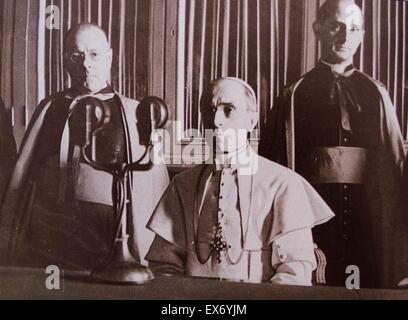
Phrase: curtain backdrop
x=269 y=43
x=31 y=54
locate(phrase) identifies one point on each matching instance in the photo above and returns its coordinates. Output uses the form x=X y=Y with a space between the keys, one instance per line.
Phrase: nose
x=344 y=34
x=219 y=118
x=87 y=61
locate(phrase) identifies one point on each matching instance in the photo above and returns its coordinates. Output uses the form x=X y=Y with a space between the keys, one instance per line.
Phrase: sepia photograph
x=203 y=150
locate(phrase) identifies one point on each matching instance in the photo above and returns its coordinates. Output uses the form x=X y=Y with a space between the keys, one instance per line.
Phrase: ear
x=67 y=61
x=317 y=29
x=110 y=56
x=253 y=120
x=68 y=65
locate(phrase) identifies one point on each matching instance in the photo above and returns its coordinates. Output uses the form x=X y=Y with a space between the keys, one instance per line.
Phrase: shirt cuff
x=294 y=273
x=293 y=258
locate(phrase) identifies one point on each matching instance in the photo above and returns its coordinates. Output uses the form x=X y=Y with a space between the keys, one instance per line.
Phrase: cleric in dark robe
x=337 y=127
x=241 y=217
x=58 y=209
x=7 y=149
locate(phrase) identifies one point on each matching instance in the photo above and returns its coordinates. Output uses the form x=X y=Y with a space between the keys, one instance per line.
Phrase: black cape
x=304 y=117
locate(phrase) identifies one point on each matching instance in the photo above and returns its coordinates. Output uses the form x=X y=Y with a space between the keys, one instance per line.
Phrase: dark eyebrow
x=227 y=104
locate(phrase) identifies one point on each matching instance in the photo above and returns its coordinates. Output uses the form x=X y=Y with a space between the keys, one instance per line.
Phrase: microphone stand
x=120 y=266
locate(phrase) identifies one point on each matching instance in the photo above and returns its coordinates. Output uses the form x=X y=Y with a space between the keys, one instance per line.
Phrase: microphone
x=120 y=266
x=152 y=113
x=91 y=128
x=103 y=149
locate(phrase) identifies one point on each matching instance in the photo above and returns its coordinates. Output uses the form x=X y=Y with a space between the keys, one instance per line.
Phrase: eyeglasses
x=79 y=57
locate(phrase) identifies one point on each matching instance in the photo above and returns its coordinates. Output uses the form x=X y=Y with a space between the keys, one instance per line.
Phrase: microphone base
x=122 y=272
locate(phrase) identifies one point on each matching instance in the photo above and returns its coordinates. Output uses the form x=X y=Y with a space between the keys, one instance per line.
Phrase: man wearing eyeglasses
x=337 y=127
x=59 y=209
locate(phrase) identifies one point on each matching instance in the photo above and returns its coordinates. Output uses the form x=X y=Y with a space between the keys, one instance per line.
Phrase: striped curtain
x=32 y=66
x=270 y=43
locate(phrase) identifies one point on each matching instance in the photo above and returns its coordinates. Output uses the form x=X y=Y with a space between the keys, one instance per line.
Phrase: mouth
x=219 y=140
x=342 y=48
x=81 y=75
x=90 y=77
x=218 y=133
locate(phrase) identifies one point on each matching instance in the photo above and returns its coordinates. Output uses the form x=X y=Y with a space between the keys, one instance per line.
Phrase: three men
x=59 y=209
x=337 y=128
x=241 y=217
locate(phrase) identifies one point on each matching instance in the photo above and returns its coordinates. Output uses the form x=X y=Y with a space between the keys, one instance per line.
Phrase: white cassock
x=264 y=219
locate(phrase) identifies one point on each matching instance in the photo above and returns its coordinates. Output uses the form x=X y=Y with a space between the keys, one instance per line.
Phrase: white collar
x=244 y=159
x=230 y=157
x=339 y=68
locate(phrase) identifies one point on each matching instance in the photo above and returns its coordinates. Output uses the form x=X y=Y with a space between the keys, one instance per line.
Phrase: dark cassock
x=249 y=221
x=341 y=133
x=59 y=209
x=8 y=151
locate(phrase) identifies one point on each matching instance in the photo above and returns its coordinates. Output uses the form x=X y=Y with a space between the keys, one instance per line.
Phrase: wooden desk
x=18 y=283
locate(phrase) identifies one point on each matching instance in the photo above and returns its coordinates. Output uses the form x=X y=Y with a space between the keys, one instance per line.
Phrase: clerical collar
x=338 y=68
x=229 y=157
x=244 y=160
x=108 y=91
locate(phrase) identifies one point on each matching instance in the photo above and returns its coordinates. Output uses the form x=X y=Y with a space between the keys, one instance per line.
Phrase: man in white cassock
x=240 y=217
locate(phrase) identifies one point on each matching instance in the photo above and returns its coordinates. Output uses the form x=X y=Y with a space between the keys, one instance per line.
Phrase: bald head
x=79 y=29
x=332 y=7
x=88 y=57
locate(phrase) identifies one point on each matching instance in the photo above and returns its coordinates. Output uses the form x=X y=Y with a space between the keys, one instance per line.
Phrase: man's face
x=341 y=33
x=229 y=116
x=89 y=60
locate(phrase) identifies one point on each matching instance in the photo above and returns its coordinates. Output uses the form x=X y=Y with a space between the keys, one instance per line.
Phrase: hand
x=403 y=283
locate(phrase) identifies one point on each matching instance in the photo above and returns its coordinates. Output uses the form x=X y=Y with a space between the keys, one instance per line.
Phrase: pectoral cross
x=218 y=245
